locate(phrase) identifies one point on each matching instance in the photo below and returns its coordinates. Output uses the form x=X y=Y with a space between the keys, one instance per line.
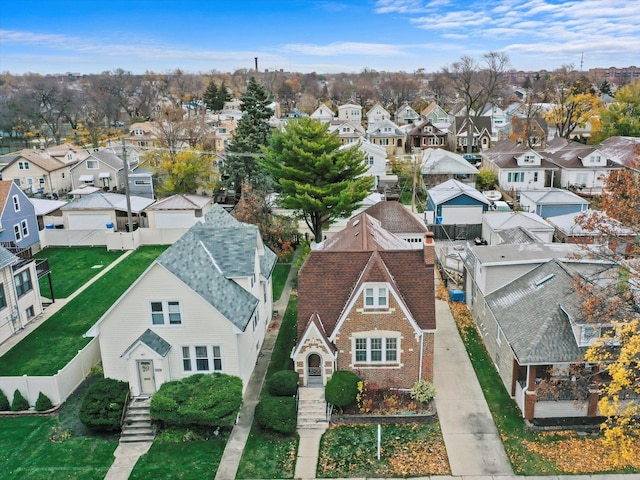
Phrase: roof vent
x=545 y=279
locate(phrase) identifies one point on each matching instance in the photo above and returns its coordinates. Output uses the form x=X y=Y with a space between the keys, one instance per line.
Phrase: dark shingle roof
x=152 y=340
x=395 y=218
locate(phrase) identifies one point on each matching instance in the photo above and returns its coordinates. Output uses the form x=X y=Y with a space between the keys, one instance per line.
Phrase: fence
x=111 y=240
x=57 y=387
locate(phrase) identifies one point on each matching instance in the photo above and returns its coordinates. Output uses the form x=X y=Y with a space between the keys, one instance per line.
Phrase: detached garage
x=178 y=211
x=102 y=210
x=454 y=210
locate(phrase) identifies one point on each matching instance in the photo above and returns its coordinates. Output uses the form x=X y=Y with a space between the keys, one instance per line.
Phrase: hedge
x=4 y=402
x=211 y=400
x=277 y=414
x=283 y=383
x=341 y=390
x=19 y=402
x=43 y=403
x=103 y=404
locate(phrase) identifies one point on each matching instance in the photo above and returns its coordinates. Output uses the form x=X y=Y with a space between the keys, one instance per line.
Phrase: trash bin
x=110 y=226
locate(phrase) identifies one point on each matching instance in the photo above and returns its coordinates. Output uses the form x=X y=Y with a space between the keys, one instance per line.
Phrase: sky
x=332 y=36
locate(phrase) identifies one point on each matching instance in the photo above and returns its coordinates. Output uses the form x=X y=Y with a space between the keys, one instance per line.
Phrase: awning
x=104 y=175
x=86 y=178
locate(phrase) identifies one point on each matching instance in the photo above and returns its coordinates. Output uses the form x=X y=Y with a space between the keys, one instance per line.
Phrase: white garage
x=174 y=219
x=89 y=221
x=461 y=214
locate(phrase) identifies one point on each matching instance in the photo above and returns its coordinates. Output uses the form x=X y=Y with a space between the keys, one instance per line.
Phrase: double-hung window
x=16 y=203
x=513 y=177
x=376 y=350
x=3 y=298
x=23 y=282
x=202 y=358
x=376 y=297
x=166 y=313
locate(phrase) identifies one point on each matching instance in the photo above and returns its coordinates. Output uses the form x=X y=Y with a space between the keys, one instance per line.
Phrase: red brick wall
x=393 y=320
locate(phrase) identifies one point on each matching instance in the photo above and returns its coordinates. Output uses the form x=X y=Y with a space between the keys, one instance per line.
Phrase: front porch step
x=137 y=426
x=312 y=409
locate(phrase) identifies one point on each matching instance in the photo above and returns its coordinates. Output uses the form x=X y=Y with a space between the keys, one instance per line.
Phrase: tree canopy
x=186 y=171
x=214 y=97
x=623 y=116
x=314 y=175
x=252 y=132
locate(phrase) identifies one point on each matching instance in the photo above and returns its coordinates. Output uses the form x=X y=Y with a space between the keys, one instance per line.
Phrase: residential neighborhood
x=265 y=273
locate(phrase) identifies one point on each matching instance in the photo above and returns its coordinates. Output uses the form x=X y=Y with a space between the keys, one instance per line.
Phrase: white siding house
x=201 y=307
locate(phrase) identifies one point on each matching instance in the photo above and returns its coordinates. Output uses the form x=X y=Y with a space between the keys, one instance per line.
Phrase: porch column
x=529 y=404
x=592 y=401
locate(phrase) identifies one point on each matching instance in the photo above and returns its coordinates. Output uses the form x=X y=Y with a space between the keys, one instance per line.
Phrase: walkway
x=240 y=433
x=12 y=341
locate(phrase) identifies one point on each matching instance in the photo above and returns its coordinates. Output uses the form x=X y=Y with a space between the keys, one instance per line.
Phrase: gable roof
x=528 y=311
x=436 y=161
x=453 y=188
x=622 y=150
x=210 y=255
x=568 y=225
x=181 y=202
x=364 y=232
x=100 y=200
x=328 y=279
x=498 y=221
x=505 y=152
x=480 y=124
x=553 y=196
x=152 y=340
x=377 y=129
x=109 y=158
x=395 y=218
x=38 y=157
x=569 y=154
x=7 y=258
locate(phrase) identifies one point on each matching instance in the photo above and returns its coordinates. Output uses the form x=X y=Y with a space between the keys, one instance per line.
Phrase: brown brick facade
x=389 y=323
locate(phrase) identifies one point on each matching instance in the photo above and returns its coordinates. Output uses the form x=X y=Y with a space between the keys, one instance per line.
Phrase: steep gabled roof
x=363 y=233
x=437 y=161
x=453 y=188
x=505 y=152
x=152 y=340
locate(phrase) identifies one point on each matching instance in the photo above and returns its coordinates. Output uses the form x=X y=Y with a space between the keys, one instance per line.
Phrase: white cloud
x=345 y=48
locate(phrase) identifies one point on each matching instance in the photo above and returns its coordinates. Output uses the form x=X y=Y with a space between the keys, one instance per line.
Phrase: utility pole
x=126 y=185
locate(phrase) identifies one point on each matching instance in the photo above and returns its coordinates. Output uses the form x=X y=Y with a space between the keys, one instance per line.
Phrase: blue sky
x=311 y=35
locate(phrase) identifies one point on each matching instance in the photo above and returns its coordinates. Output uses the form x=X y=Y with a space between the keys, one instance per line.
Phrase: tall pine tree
x=253 y=130
x=315 y=176
x=210 y=96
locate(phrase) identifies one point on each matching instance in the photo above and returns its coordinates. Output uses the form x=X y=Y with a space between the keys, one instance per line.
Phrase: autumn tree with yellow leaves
x=575 y=105
x=187 y=171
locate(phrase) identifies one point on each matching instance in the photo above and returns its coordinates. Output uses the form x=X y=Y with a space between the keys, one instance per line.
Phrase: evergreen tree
x=223 y=96
x=210 y=96
x=251 y=134
x=315 y=176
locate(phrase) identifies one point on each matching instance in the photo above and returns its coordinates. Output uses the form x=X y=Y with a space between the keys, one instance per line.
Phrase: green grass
x=267 y=455
x=175 y=459
x=54 y=343
x=26 y=451
x=279 y=278
x=71 y=268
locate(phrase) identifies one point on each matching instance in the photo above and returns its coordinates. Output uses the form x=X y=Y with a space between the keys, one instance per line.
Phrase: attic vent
x=544 y=279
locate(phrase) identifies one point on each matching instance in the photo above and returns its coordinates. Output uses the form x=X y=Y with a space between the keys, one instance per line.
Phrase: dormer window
x=529 y=158
x=376 y=297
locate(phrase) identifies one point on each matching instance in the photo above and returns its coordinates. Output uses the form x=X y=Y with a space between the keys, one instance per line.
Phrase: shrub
x=423 y=391
x=103 y=404
x=198 y=400
x=43 y=403
x=342 y=389
x=283 y=383
x=277 y=414
x=4 y=402
x=19 y=402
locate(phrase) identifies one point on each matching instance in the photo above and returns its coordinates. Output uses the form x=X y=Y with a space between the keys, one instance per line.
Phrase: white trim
x=166 y=313
x=321 y=335
x=127 y=353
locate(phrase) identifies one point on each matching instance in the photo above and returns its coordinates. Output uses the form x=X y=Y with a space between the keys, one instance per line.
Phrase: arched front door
x=314 y=370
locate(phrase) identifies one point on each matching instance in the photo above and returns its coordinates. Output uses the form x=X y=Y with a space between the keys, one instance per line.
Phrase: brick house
x=366 y=304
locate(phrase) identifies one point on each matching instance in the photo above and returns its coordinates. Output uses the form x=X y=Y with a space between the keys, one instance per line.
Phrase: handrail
x=125 y=408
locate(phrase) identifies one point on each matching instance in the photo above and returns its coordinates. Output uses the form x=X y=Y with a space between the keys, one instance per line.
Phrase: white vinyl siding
x=202 y=358
x=166 y=313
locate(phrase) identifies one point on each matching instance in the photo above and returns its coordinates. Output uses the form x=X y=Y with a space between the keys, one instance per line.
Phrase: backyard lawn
x=54 y=343
x=73 y=267
x=27 y=450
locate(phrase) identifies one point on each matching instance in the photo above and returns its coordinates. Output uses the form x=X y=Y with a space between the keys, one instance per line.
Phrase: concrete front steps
x=137 y=425
x=312 y=409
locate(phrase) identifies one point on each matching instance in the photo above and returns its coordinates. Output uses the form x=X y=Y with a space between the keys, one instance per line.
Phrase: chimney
x=428 y=249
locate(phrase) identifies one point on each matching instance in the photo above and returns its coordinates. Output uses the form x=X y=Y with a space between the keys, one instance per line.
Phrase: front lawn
x=172 y=457
x=54 y=343
x=27 y=450
x=73 y=267
x=407 y=450
x=267 y=455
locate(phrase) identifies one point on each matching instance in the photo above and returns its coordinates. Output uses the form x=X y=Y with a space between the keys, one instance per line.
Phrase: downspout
x=421 y=354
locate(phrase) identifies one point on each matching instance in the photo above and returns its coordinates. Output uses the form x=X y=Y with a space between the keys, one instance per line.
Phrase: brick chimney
x=429 y=248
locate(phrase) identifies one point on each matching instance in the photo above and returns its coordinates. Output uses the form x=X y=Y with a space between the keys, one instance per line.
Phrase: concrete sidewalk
x=12 y=341
x=473 y=444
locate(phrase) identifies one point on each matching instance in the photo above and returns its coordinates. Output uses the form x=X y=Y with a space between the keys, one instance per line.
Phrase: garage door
x=89 y=221
x=174 y=220
x=462 y=215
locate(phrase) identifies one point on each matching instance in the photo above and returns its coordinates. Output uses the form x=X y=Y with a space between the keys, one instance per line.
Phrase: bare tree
x=478 y=84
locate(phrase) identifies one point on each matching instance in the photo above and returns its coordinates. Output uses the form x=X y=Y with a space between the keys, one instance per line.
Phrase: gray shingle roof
x=211 y=254
x=529 y=314
x=152 y=340
x=6 y=257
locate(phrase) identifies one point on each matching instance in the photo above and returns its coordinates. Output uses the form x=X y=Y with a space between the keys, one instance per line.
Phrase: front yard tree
x=252 y=132
x=477 y=85
x=315 y=176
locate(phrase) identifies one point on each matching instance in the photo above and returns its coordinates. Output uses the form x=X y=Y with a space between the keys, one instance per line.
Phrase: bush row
x=20 y=403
